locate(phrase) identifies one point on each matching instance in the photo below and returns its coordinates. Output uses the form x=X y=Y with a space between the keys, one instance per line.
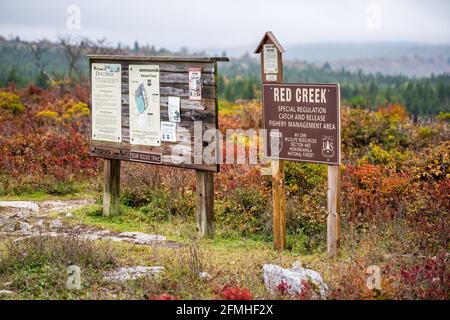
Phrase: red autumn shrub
x=428 y=280
x=163 y=296
x=283 y=287
x=371 y=192
x=236 y=293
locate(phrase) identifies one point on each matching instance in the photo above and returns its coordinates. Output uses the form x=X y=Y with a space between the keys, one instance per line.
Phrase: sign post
x=302 y=123
x=272 y=72
x=111 y=187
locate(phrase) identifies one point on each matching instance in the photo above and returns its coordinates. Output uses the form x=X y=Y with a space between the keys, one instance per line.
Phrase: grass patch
x=37 y=267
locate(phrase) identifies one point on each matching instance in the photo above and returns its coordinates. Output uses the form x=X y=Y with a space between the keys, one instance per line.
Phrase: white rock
x=89 y=237
x=204 y=275
x=274 y=275
x=40 y=224
x=45 y=234
x=131 y=273
x=20 y=204
x=102 y=232
x=5 y=292
x=142 y=238
x=23 y=214
x=24 y=227
x=69 y=215
x=56 y=224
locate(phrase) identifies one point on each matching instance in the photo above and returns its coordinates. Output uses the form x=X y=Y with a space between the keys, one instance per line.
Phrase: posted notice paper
x=174 y=109
x=144 y=98
x=106 y=102
x=195 y=83
x=270 y=58
x=168 y=131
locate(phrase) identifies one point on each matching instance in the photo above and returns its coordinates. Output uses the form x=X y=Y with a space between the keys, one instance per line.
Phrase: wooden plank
x=192 y=115
x=182 y=91
x=279 y=204
x=168 y=160
x=163 y=66
x=111 y=188
x=205 y=202
x=185 y=104
x=168 y=78
x=157 y=58
x=333 y=208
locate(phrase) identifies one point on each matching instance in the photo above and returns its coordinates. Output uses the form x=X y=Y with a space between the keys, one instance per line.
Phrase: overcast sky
x=203 y=24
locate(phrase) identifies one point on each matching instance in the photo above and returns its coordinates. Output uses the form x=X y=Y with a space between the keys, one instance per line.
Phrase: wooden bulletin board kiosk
x=160 y=111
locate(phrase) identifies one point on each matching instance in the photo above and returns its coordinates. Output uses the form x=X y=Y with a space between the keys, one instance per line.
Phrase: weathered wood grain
x=174 y=79
x=111 y=187
x=168 y=78
x=205 y=202
x=333 y=206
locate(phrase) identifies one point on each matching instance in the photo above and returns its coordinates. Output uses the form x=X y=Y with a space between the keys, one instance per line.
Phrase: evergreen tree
x=41 y=80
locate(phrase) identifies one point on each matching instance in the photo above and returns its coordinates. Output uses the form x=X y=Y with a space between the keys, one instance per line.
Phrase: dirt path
x=24 y=219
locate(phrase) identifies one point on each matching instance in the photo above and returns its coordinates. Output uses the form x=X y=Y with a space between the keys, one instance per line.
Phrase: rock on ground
x=6 y=292
x=204 y=275
x=274 y=275
x=142 y=238
x=56 y=224
x=131 y=273
x=20 y=204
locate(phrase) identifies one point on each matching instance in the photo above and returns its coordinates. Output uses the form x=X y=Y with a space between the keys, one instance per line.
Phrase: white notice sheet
x=106 y=102
x=270 y=58
x=145 y=126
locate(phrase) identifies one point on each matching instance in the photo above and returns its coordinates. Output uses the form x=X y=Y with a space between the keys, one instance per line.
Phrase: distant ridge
x=406 y=58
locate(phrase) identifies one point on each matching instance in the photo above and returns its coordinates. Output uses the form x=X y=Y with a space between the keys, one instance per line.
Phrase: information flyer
x=174 y=109
x=168 y=131
x=270 y=59
x=106 y=102
x=195 y=83
x=145 y=126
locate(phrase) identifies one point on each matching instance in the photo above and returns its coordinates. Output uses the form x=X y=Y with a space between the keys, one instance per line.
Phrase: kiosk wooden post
x=205 y=202
x=111 y=188
x=272 y=72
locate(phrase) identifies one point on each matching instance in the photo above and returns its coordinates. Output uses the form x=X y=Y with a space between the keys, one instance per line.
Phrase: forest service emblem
x=328 y=147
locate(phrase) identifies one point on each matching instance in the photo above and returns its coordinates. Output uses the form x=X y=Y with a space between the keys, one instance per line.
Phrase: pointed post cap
x=269 y=35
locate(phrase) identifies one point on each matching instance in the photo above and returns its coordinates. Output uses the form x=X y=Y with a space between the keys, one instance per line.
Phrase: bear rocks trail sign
x=302 y=123
x=156 y=110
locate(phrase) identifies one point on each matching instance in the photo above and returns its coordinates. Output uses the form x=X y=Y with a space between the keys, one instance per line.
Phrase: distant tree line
x=240 y=79
x=45 y=63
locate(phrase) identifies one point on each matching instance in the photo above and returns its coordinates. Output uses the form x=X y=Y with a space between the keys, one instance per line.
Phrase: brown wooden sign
x=302 y=122
x=155 y=158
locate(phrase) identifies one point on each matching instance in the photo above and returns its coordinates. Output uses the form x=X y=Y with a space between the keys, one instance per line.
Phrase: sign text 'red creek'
x=302 y=122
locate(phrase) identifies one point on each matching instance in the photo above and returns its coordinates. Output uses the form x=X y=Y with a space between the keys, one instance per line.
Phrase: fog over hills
x=407 y=58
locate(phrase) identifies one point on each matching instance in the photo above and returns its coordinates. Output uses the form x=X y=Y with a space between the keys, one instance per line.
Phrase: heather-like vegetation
x=395 y=203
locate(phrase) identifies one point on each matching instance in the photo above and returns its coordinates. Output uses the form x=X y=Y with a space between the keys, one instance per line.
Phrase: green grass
x=43 y=196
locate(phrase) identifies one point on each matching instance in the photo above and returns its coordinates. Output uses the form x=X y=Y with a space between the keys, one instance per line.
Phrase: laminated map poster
x=106 y=102
x=145 y=126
